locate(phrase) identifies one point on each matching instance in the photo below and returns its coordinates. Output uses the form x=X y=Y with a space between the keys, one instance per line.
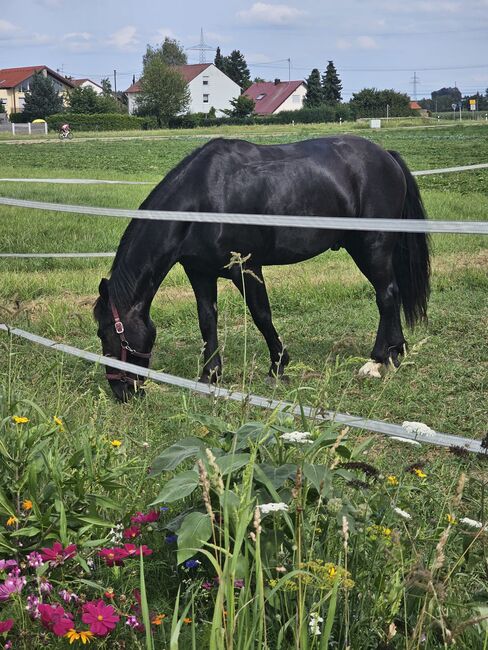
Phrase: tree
x=259 y=80
x=371 y=102
x=164 y=91
x=235 y=67
x=242 y=106
x=106 y=86
x=443 y=98
x=86 y=100
x=219 y=60
x=331 y=85
x=43 y=99
x=170 y=52
x=314 y=97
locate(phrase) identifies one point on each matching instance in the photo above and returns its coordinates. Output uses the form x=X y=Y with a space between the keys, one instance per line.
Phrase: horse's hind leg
x=257 y=301
x=205 y=288
x=373 y=254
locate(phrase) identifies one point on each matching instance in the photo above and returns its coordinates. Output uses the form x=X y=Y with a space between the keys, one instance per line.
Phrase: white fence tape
x=334 y=223
x=377 y=426
x=55 y=255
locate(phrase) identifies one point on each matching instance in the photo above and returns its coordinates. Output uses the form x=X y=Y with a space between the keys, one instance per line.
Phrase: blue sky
x=377 y=43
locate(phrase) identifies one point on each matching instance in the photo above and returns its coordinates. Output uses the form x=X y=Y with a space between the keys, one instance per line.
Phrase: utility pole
x=415 y=82
x=115 y=82
x=289 y=69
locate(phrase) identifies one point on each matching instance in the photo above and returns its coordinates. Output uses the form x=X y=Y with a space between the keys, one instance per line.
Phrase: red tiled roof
x=274 y=94
x=189 y=72
x=415 y=106
x=80 y=82
x=11 y=77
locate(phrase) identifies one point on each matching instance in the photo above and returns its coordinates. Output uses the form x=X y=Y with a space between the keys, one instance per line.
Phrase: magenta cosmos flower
x=113 y=556
x=132 y=532
x=134 y=551
x=55 y=619
x=57 y=554
x=12 y=585
x=149 y=518
x=6 y=626
x=101 y=618
x=7 y=564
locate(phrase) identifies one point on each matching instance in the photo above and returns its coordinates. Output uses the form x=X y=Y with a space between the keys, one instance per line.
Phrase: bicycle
x=65 y=135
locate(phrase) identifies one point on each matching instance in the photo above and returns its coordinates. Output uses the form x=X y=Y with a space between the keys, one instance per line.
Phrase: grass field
x=324 y=310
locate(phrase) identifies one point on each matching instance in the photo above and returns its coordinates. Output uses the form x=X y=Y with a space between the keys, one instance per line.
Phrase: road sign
x=472 y=104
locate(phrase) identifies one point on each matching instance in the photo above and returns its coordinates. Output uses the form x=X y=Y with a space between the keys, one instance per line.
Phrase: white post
x=13 y=128
x=45 y=128
x=30 y=128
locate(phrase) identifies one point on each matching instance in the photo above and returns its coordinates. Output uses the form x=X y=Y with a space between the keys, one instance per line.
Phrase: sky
x=377 y=43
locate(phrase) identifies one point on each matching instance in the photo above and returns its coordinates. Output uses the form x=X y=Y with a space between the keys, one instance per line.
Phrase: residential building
x=15 y=82
x=208 y=87
x=87 y=83
x=272 y=97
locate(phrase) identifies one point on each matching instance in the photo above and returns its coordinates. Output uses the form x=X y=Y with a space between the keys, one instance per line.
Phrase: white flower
x=410 y=442
x=314 y=624
x=272 y=507
x=472 y=523
x=297 y=436
x=402 y=513
x=418 y=428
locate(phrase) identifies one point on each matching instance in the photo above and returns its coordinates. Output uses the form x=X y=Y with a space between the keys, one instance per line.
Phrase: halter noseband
x=124 y=348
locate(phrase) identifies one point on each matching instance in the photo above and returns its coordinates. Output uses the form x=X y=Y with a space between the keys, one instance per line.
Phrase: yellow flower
x=11 y=521
x=392 y=480
x=332 y=571
x=85 y=636
x=451 y=519
x=116 y=443
x=59 y=422
x=27 y=504
x=157 y=620
x=19 y=419
x=418 y=472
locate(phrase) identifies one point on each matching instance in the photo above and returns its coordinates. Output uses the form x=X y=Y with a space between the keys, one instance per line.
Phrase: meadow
x=375 y=579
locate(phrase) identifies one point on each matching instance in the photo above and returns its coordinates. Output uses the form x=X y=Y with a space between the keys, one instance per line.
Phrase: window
x=296 y=99
x=205 y=99
x=261 y=96
x=25 y=85
x=205 y=81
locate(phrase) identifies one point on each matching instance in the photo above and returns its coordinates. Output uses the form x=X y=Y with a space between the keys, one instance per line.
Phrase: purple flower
x=35 y=559
x=207 y=585
x=8 y=645
x=45 y=586
x=133 y=622
x=238 y=584
x=15 y=573
x=171 y=539
x=68 y=596
x=7 y=564
x=192 y=564
x=32 y=606
x=11 y=586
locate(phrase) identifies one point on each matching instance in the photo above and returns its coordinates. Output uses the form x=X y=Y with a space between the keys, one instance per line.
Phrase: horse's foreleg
x=205 y=288
x=257 y=301
x=373 y=255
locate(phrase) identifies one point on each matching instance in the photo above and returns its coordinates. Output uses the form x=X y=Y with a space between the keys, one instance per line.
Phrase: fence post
x=13 y=128
x=30 y=128
x=45 y=128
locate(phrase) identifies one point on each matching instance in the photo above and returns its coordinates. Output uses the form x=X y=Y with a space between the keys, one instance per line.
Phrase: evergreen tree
x=43 y=99
x=235 y=67
x=314 y=97
x=170 y=52
x=219 y=60
x=107 y=86
x=331 y=85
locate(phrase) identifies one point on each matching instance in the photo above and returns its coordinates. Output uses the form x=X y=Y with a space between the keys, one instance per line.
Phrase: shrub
x=101 y=122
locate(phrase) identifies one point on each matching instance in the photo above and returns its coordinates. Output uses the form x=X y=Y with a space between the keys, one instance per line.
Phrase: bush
x=18 y=118
x=101 y=122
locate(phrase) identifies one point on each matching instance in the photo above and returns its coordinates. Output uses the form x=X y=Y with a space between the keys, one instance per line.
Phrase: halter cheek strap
x=124 y=347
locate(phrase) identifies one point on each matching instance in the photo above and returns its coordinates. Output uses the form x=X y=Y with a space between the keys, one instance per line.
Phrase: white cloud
x=439 y=7
x=50 y=4
x=359 y=43
x=262 y=13
x=7 y=28
x=124 y=38
x=164 y=32
x=78 y=41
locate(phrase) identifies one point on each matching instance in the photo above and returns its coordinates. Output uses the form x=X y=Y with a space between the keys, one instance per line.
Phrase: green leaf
x=232 y=462
x=319 y=476
x=178 y=487
x=192 y=534
x=249 y=432
x=104 y=502
x=63 y=526
x=213 y=424
x=278 y=476
x=5 y=505
x=170 y=458
x=28 y=531
x=94 y=520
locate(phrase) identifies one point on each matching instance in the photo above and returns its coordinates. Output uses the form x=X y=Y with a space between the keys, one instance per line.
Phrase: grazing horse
x=342 y=176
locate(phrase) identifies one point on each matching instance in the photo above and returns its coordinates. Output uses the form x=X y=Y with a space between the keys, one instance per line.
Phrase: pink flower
x=57 y=554
x=6 y=626
x=101 y=618
x=140 y=518
x=113 y=556
x=55 y=619
x=68 y=596
x=132 y=532
x=11 y=586
x=7 y=564
x=134 y=623
x=134 y=551
x=44 y=585
x=34 y=559
x=33 y=606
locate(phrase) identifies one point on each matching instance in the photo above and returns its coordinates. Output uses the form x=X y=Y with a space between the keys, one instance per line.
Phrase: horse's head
x=127 y=335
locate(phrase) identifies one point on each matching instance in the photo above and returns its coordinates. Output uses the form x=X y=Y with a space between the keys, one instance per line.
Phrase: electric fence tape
x=393 y=430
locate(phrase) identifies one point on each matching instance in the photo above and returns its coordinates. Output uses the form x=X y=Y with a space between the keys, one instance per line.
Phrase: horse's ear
x=103 y=289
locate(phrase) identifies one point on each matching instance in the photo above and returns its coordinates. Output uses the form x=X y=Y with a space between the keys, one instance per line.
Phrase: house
x=421 y=112
x=15 y=82
x=208 y=87
x=87 y=83
x=272 y=97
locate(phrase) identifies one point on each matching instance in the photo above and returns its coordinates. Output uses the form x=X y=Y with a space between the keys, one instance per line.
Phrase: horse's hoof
x=371 y=369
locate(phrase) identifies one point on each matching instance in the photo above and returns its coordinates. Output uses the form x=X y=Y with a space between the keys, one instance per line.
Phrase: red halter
x=124 y=347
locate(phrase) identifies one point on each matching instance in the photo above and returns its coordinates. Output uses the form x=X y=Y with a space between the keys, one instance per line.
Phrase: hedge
x=101 y=122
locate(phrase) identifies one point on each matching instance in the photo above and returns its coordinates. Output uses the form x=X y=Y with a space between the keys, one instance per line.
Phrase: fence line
x=391 y=430
x=95 y=181
x=55 y=255
x=316 y=222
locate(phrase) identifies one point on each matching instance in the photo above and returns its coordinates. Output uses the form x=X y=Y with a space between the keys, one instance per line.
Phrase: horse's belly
x=296 y=245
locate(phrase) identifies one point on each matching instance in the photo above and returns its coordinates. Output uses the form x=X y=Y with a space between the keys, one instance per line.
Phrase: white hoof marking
x=371 y=369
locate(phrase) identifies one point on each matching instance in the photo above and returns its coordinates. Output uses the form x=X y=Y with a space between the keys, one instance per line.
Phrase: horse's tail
x=411 y=258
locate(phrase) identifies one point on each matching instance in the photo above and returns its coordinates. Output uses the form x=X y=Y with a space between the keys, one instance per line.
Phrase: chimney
x=277 y=81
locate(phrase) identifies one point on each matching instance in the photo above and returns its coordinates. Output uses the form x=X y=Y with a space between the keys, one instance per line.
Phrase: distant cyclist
x=65 y=131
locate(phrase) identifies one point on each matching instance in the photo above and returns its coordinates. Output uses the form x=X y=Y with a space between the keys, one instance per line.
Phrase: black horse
x=337 y=176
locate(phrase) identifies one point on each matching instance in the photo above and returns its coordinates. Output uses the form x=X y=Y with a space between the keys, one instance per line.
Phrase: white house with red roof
x=87 y=83
x=208 y=87
x=275 y=96
x=15 y=82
